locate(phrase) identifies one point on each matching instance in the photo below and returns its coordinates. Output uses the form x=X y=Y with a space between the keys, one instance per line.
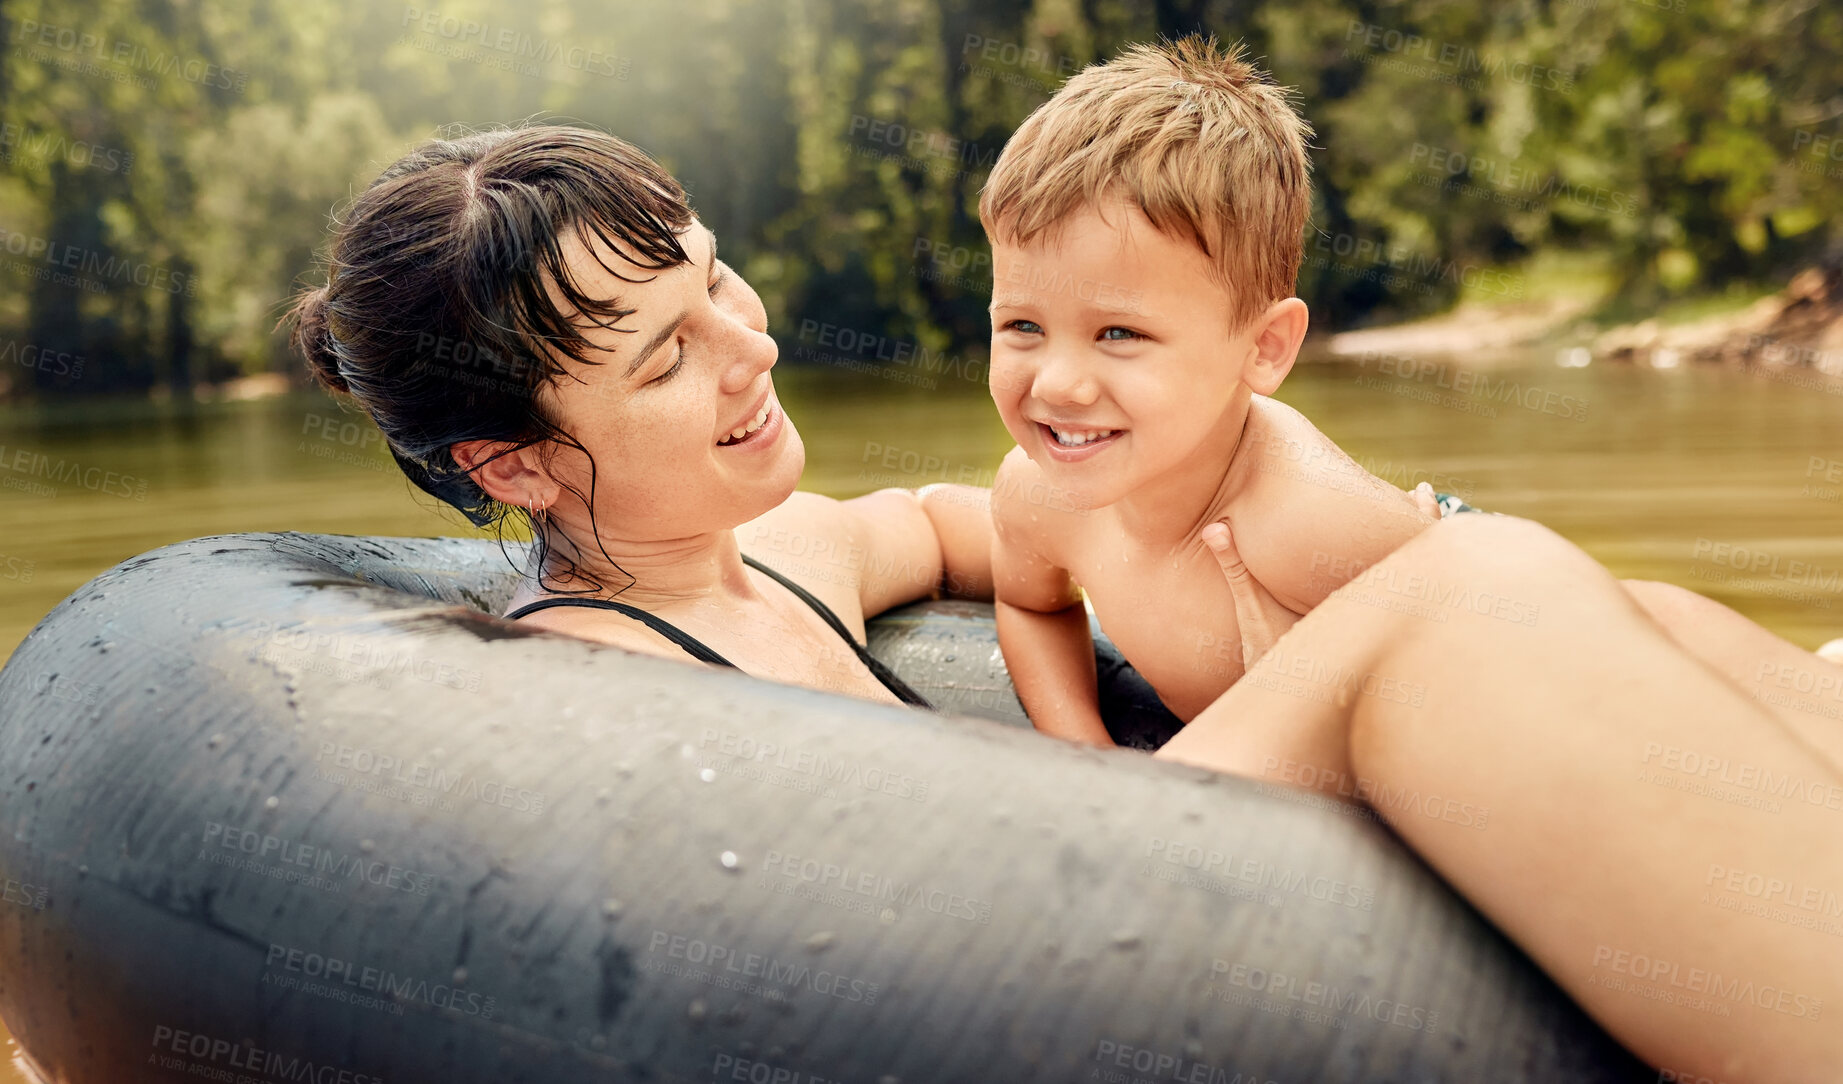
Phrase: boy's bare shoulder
x=1010 y=510
x=1277 y=421
x=1280 y=446
x=1028 y=510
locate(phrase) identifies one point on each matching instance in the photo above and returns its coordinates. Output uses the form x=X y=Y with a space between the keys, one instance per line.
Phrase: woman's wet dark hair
x=436 y=317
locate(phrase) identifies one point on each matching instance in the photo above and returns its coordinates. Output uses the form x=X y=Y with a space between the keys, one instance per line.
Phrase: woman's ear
x=508 y=473
x=1276 y=335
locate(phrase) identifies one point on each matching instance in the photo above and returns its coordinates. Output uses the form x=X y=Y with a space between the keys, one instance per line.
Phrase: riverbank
x=1797 y=327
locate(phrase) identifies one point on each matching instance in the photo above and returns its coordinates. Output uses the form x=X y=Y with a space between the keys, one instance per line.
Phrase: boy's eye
x=1119 y=334
x=1028 y=327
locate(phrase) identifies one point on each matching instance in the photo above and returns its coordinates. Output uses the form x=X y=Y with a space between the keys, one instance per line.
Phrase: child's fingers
x=1425 y=500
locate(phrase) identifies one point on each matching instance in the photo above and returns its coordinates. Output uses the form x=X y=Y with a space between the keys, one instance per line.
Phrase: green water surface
x=1655 y=473
x=1668 y=475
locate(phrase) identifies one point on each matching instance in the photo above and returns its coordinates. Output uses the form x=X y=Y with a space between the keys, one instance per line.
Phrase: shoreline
x=1797 y=327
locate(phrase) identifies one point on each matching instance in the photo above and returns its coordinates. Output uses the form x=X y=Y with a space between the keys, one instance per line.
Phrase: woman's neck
x=652 y=575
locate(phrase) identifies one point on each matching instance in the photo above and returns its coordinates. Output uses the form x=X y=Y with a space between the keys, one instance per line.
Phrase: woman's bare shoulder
x=815 y=541
x=798 y=525
x=808 y=537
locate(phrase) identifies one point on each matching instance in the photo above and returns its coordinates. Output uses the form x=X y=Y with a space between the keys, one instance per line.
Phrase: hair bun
x=313 y=339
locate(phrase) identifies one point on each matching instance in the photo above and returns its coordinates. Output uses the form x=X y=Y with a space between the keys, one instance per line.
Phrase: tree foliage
x=170 y=165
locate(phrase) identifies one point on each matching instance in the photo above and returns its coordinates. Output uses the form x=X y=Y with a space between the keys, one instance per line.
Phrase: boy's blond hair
x=1205 y=143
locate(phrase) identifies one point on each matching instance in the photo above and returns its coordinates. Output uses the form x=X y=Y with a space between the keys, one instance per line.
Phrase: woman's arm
x=882 y=549
x=962 y=519
x=917 y=543
x=1800 y=688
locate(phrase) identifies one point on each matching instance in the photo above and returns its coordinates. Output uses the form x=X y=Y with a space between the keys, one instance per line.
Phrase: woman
x=540 y=327
x=452 y=273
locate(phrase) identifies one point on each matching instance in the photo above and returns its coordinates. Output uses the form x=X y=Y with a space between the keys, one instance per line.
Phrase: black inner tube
x=289 y=806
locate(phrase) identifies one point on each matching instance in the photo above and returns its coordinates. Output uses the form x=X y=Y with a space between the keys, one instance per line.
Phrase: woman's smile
x=760 y=430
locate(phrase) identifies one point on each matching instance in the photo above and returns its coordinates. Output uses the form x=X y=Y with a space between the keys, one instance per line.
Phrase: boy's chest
x=1173 y=619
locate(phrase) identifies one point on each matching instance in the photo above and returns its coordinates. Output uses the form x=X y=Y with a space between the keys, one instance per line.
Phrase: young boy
x=1146 y=227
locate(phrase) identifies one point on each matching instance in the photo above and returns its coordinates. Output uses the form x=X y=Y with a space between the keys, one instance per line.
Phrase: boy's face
x=1114 y=358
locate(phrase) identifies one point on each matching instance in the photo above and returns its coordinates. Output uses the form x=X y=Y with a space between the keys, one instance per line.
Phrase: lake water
x=1667 y=475
x=1653 y=472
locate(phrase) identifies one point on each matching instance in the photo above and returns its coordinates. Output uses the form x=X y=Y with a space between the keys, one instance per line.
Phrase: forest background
x=168 y=167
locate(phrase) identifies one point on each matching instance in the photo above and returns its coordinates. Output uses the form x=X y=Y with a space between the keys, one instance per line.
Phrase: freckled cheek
x=645 y=444
x=681 y=444
x=680 y=422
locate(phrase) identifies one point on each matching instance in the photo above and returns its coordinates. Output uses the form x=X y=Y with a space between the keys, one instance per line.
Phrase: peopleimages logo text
x=516 y=43
x=128 y=55
x=221 y=840
x=32 y=464
x=88 y=261
x=432 y=777
x=399 y=988
x=242 y=1054
x=878 y=887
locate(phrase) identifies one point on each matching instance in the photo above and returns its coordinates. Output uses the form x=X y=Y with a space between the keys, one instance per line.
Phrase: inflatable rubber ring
x=288 y=807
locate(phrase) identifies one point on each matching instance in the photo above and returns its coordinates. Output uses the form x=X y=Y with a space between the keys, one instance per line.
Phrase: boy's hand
x=1259 y=618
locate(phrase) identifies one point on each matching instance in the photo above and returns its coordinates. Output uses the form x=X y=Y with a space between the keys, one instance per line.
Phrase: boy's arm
x=1042 y=625
x=1315 y=525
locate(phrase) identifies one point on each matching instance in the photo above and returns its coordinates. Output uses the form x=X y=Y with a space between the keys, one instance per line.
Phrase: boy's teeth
x=1075 y=438
x=738 y=434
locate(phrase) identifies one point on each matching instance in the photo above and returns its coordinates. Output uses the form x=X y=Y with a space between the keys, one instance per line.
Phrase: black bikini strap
x=692 y=645
x=881 y=672
x=803 y=595
x=696 y=649
x=904 y=692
